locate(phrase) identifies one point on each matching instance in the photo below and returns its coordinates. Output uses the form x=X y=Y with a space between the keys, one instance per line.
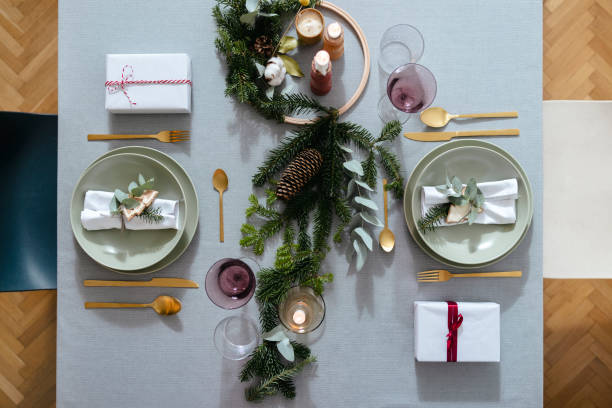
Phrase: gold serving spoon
x=438 y=117
x=220 y=183
x=163 y=305
x=386 y=238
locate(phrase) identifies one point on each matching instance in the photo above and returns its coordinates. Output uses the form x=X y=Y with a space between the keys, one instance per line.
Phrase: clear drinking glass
x=230 y=282
x=236 y=337
x=302 y=310
x=399 y=45
x=411 y=88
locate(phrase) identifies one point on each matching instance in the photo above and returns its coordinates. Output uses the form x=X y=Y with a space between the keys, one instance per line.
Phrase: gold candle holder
x=309 y=25
x=302 y=311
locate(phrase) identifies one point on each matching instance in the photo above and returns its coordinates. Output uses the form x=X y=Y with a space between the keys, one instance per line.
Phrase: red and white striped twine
x=127 y=73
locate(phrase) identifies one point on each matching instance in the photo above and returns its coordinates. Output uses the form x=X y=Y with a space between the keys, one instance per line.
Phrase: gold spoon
x=438 y=117
x=163 y=305
x=220 y=182
x=386 y=238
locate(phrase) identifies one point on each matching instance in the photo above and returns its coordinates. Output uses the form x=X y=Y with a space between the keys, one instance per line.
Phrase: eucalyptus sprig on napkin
x=465 y=203
x=138 y=201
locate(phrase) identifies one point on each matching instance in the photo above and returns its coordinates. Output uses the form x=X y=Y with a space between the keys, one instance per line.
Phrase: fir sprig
x=433 y=218
x=152 y=215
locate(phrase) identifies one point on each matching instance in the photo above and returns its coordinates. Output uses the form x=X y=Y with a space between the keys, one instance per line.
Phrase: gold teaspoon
x=220 y=183
x=386 y=238
x=163 y=305
x=438 y=117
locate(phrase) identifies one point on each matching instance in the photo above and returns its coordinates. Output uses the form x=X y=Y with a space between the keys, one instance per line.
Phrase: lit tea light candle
x=309 y=25
x=302 y=311
x=299 y=317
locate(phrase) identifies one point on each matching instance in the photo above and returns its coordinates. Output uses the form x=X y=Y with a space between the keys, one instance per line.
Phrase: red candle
x=321 y=73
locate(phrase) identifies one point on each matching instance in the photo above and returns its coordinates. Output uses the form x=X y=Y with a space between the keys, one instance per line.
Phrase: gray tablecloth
x=486 y=56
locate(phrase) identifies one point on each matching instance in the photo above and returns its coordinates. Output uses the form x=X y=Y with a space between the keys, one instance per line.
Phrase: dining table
x=485 y=55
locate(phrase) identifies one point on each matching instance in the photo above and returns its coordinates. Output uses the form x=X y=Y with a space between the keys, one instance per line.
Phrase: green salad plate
x=191 y=198
x=126 y=250
x=477 y=245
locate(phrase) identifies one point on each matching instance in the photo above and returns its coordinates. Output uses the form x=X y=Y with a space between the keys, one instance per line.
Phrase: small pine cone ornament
x=263 y=46
x=298 y=173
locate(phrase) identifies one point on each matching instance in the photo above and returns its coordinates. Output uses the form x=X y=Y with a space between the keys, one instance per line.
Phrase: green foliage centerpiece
x=337 y=191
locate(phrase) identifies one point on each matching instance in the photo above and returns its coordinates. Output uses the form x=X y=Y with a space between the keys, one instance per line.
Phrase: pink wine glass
x=230 y=283
x=411 y=88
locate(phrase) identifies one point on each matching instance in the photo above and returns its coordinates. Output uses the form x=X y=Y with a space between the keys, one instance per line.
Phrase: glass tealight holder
x=302 y=311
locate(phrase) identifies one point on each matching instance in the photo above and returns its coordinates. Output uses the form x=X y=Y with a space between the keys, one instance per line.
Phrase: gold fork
x=166 y=136
x=442 y=275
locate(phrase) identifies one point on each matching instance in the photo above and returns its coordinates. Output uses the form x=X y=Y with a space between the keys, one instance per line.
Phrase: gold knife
x=153 y=283
x=443 y=136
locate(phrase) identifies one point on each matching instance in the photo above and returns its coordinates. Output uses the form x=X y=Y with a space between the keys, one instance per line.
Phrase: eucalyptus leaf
x=252 y=5
x=287 y=43
x=286 y=349
x=133 y=185
x=276 y=334
x=364 y=185
x=443 y=188
x=141 y=179
x=366 y=203
x=350 y=189
x=149 y=184
x=371 y=219
x=249 y=18
x=362 y=254
x=113 y=206
x=472 y=216
x=457 y=186
x=270 y=92
x=365 y=237
x=354 y=166
x=458 y=201
x=120 y=195
x=291 y=65
x=130 y=203
x=480 y=199
x=260 y=69
x=346 y=149
x=471 y=190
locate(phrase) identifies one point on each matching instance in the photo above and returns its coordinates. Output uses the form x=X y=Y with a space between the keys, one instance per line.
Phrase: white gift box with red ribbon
x=457 y=331
x=148 y=83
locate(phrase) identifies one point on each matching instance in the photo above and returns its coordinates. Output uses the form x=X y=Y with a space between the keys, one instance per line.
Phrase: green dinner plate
x=126 y=250
x=191 y=198
x=464 y=246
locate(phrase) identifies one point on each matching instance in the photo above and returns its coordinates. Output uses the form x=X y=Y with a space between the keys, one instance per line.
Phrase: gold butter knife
x=153 y=283
x=443 y=136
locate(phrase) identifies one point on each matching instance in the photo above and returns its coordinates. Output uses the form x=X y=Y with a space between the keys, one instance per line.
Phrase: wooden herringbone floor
x=577 y=314
x=577 y=49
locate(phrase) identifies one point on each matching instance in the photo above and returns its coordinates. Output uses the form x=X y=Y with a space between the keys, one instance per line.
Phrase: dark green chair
x=28 y=171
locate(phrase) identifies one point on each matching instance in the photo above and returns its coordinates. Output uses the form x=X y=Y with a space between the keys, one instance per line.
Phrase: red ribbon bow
x=127 y=73
x=454 y=322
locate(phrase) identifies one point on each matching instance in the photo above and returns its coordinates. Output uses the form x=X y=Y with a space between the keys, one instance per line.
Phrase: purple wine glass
x=411 y=88
x=230 y=283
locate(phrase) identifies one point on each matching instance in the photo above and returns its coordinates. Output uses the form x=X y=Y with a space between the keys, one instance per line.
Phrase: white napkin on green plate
x=96 y=214
x=499 y=206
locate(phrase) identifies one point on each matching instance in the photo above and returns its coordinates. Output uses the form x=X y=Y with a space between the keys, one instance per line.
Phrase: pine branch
x=370 y=173
x=391 y=165
x=152 y=215
x=433 y=218
x=270 y=385
x=390 y=131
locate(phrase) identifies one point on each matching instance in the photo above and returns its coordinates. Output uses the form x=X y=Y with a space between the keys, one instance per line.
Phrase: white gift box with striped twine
x=148 y=83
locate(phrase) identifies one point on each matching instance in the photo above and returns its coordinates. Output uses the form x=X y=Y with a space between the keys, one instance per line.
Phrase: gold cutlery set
x=436 y=117
x=163 y=305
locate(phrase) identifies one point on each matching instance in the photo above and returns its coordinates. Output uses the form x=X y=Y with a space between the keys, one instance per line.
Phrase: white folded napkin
x=148 y=98
x=96 y=214
x=499 y=206
x=478 y=337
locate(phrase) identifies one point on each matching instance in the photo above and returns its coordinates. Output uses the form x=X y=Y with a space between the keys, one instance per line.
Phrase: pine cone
x=298 y=173
x=263 y=46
